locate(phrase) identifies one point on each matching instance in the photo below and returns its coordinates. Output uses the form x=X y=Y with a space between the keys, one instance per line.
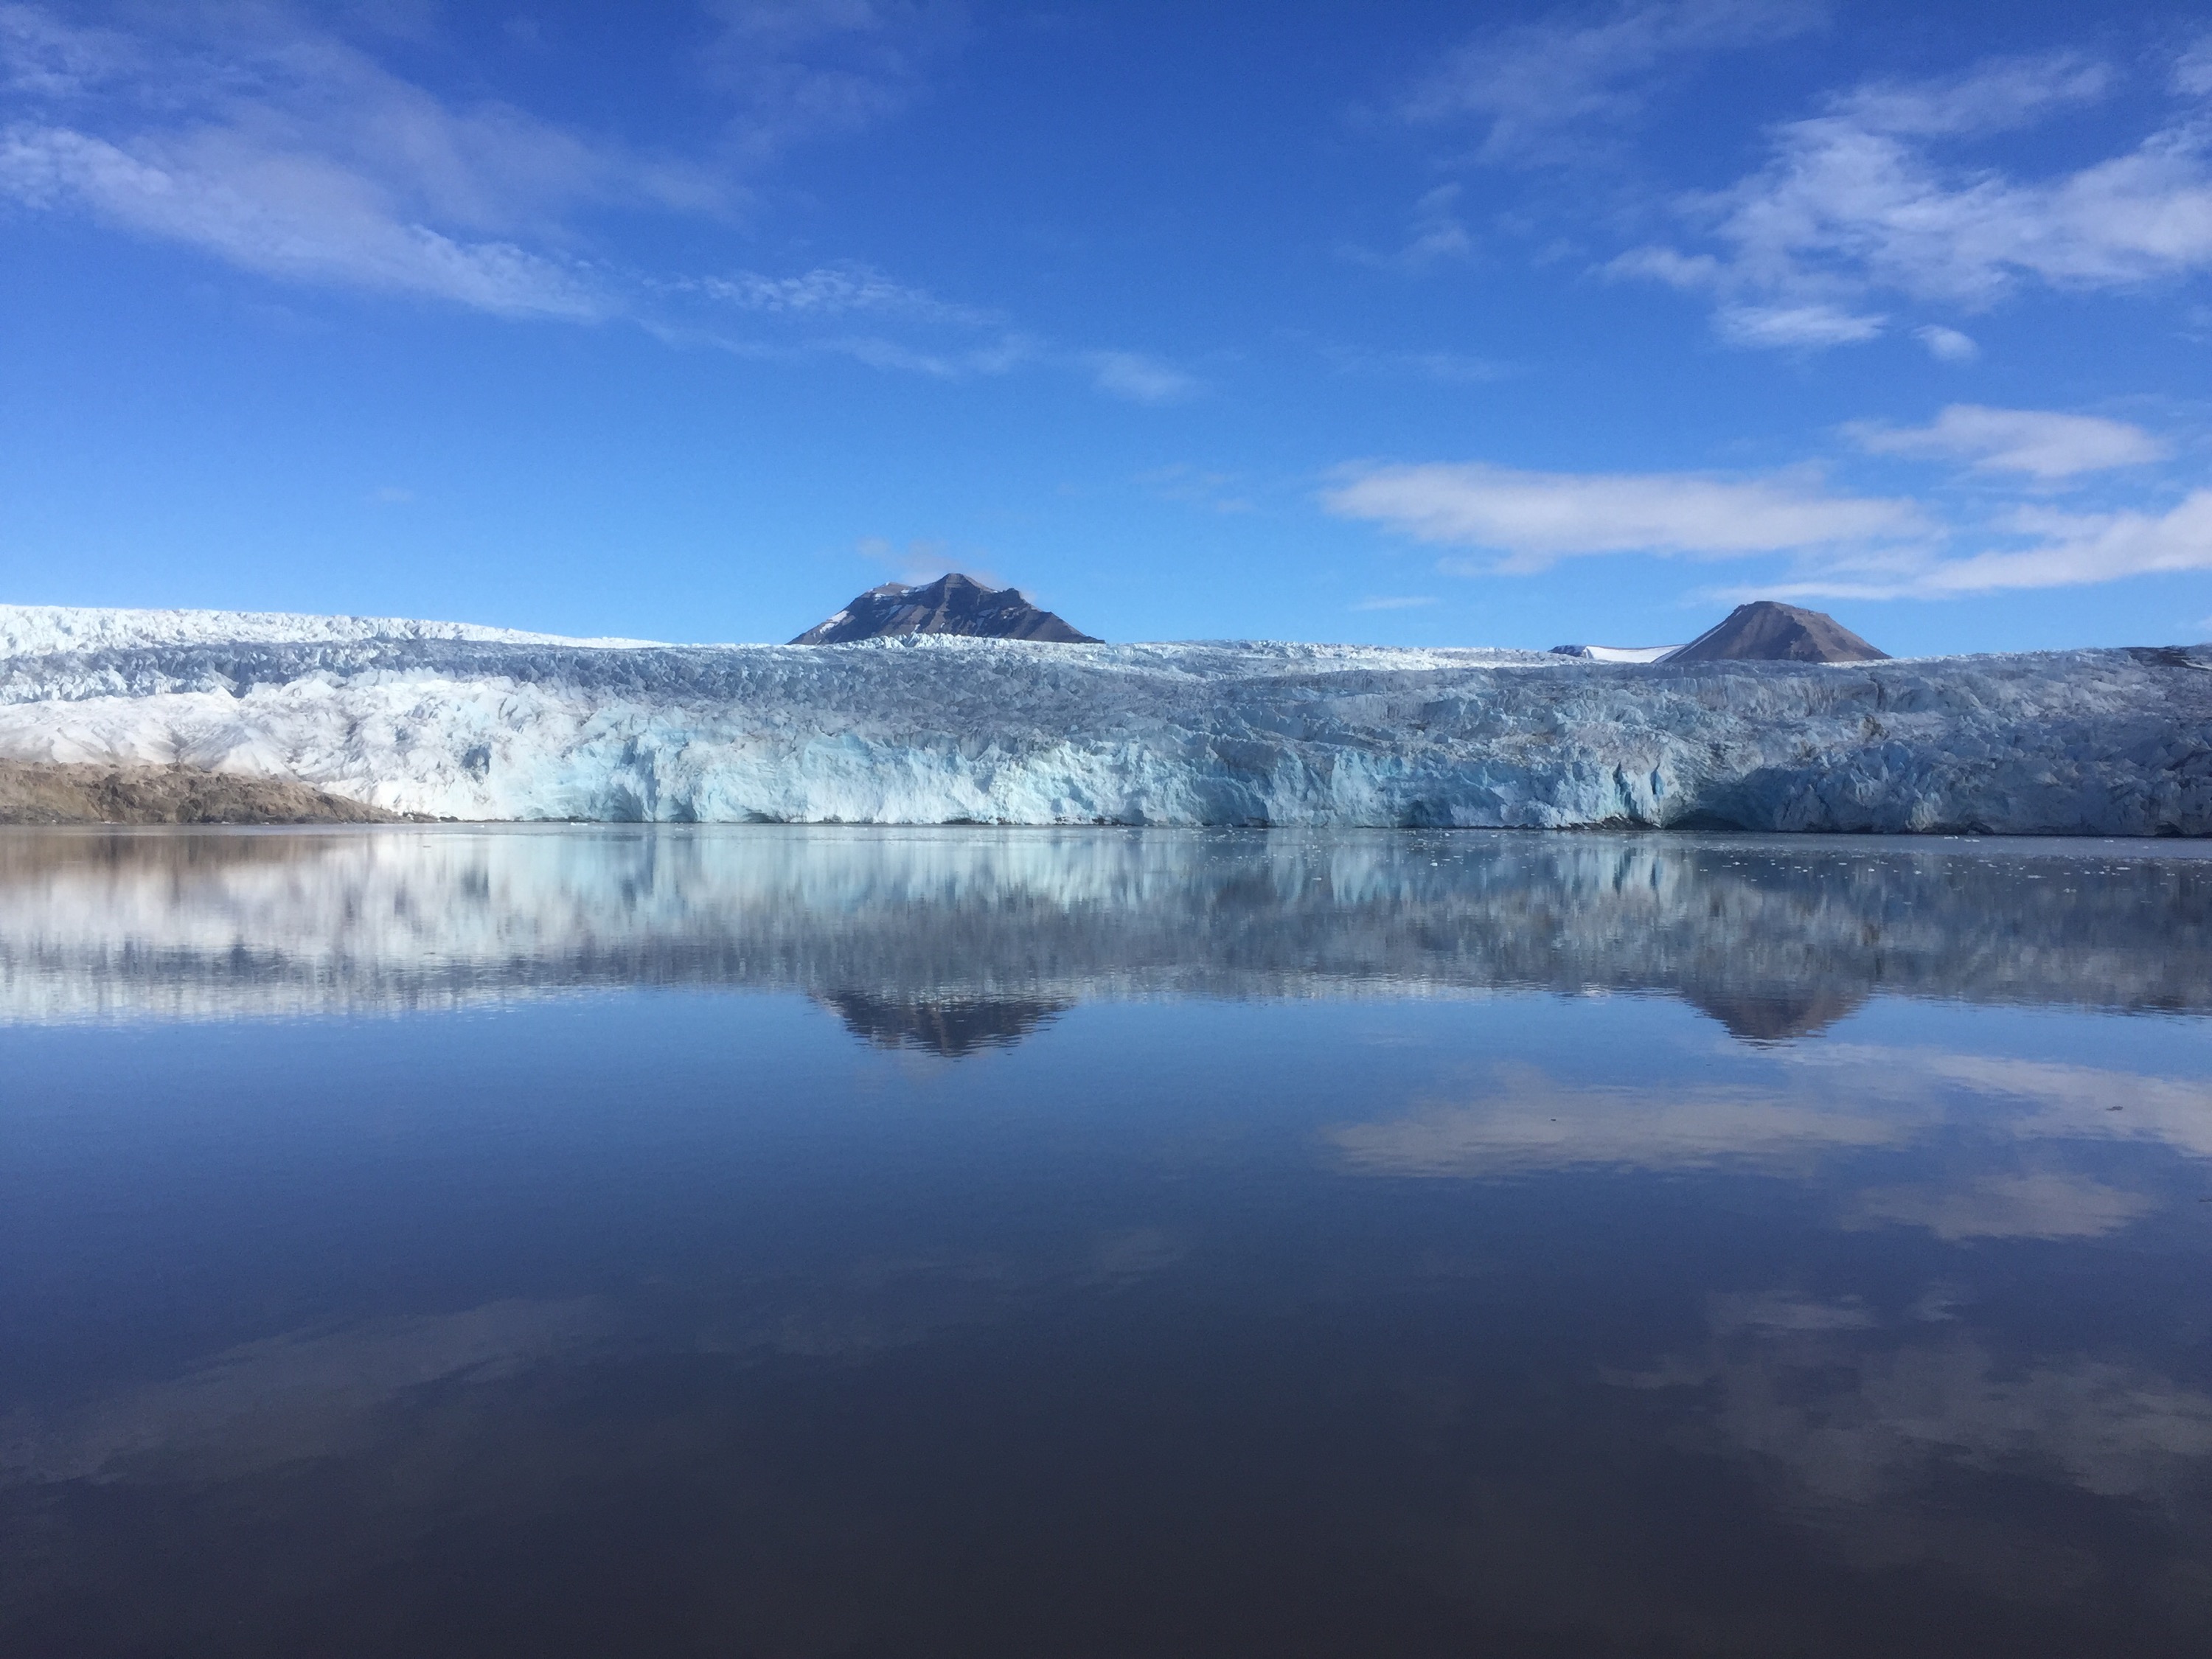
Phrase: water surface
x=794 y=1242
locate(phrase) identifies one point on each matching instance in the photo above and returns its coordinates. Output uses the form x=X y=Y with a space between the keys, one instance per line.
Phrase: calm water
x=766 y=1242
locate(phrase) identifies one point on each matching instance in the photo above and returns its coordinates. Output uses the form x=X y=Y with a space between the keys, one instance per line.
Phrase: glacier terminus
x=480 y=723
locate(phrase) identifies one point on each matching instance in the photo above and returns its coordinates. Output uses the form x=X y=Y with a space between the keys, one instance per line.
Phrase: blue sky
x=1420 y=323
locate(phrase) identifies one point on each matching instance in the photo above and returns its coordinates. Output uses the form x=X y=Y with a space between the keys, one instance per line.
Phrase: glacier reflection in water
x=979 y=935
x=845 y=1242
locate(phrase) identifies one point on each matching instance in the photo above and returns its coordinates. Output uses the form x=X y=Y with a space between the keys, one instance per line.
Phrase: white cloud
x=1139 y=377
x=2064 y=551
x=1801 y=323
x=1534 y=518
x=922 y=561
x=2192 y=70
x=1406 y=602
x=1444 y=367
x=1534 y=84
x=260 y=136
x=1814 y=325
x=294 y=216
x=1948 y=345
x=41 y=56
x=1531 y=1123
x=1001 y=356
x=951 y=351
x=2046 y=1205
x=1838 y=544
x=2063 y=1102
x=1780 y=1310
x=1688 y=271
x=1853 y=1418
x=283 y=150
x=1841 y=1099
x=2088 y=548
x=1860 y=199
x=1436 y=235
x=803 y=69
x=834 y=290
x=2002 y=94
x=2039 y=442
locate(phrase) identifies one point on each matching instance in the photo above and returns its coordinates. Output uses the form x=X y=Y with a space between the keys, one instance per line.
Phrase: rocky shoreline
x=55 y=793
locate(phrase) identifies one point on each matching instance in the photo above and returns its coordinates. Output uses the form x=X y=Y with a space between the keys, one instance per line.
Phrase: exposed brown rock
x=1766 y=630
x=35 y=793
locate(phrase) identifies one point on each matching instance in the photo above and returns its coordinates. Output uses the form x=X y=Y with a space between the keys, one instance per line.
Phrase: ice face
x=473 y=724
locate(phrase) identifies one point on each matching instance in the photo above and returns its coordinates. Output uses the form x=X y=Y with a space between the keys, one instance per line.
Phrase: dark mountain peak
x=1767 y=631
x=953 y=603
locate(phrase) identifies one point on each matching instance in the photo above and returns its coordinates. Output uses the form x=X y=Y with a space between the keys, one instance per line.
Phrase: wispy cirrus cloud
x=262 y=137
x=846 y=288
x=1831 y=543
x=1436 y=236
x=2034 y=548
x=283 y=149
x=1813 y=324
x=2042 y=443
x=1529 y=520
x=1549 y=91
x=1138 y=377
x=1444 y=367
x=800 y=69
x=2021 y=550
x=1880 y=193
x=847 y=310
x=298 y=218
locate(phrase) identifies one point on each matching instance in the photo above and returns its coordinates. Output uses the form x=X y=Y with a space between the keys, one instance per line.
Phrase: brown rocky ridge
x=1766 y=630
x=53 y=792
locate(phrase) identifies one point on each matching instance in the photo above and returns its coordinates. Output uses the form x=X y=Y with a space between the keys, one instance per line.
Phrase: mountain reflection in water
x=850 y=1242
x=952 y=1026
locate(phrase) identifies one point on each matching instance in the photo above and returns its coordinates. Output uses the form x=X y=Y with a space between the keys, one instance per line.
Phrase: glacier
x=488 y=724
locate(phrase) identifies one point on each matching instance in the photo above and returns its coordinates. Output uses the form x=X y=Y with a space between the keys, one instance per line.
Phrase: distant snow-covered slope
x=34 y=630
x=1617 y=653
x=475 y=724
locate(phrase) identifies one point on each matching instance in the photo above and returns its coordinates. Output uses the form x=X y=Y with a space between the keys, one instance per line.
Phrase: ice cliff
x=476 y=723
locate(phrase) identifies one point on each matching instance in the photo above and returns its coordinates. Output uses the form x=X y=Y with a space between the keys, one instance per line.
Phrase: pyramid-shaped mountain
x=1766 y=631
x=953 y=603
